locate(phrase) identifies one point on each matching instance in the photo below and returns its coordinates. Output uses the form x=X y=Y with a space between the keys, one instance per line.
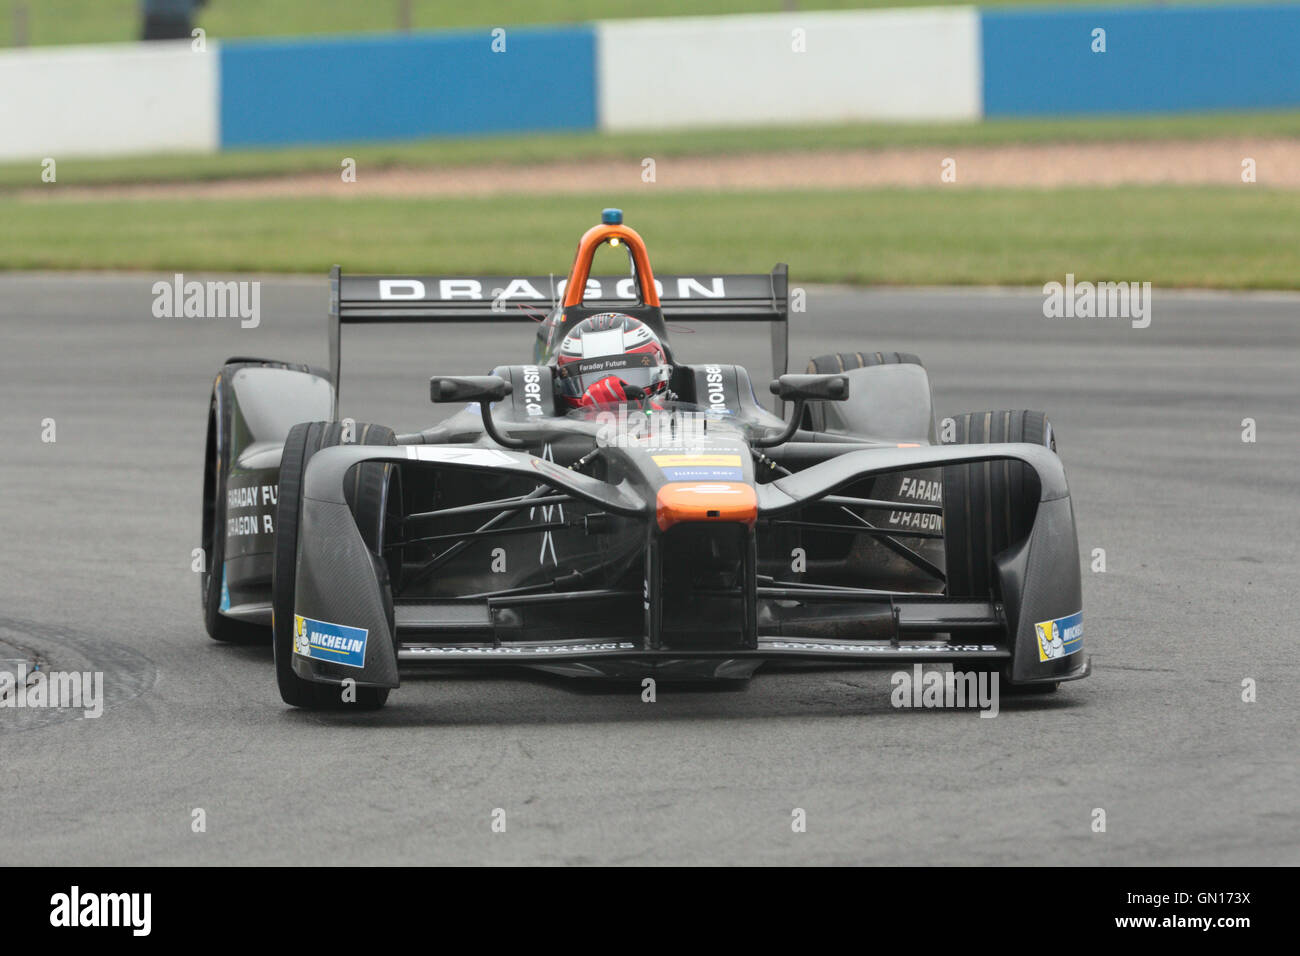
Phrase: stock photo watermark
x=924 y=688
x=1098 y=300
x=213 y=299
x=37 y=689
x=77 y=909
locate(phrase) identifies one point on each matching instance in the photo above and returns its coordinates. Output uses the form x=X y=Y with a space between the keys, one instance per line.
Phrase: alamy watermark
x=39 y=689
x=1098 y=300
x=619 y=428
x=214 y=299
x=929 y=689
x=75 y=909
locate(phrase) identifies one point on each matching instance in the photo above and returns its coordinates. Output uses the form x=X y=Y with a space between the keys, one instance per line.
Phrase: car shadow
x=480 y=697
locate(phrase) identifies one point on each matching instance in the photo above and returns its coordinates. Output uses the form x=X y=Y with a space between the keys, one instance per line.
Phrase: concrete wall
x=108 y=100
x=789 y=68
x=951 y=63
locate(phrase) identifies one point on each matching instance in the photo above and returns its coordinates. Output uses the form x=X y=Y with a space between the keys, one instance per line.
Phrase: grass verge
x=1232 y=238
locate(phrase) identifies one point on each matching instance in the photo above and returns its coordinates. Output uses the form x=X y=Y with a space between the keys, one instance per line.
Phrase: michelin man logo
x=1050 y=645
x=1060 y=638
x=300 y=644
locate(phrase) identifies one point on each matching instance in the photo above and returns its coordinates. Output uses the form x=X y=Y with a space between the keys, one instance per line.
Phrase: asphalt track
x=1199 y=530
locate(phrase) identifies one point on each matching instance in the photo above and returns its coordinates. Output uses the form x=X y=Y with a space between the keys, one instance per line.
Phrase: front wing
x=338 y=585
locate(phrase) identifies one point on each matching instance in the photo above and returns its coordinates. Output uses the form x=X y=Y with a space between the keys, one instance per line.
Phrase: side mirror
x=817 y=388
x=800 y=389
x=484 y=389
x=468 y=388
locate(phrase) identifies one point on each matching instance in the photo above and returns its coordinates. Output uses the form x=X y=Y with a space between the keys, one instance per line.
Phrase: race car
x=607 y=510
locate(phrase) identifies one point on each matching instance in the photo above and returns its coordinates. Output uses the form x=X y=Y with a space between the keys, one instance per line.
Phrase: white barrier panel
x=108 y=100
x=915 y=64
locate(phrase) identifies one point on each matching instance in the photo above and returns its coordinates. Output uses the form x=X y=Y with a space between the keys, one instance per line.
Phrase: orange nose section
x=706 y=501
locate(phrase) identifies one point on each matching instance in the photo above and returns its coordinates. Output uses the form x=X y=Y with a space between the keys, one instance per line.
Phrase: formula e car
x=689 y=533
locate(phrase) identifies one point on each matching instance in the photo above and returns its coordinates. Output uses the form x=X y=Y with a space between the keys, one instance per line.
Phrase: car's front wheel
x=369 y=498
x=989 y=506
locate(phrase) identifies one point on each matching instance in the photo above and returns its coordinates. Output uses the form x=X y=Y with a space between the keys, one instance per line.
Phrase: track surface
x=1199 y=531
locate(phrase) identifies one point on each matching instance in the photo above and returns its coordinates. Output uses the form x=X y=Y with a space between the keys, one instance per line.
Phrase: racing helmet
x=610 y=345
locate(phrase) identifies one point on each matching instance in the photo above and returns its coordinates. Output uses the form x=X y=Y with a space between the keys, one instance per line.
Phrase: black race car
x=686 y=533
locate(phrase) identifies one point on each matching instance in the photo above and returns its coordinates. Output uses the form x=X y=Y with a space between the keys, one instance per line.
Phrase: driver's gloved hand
x=610 y=390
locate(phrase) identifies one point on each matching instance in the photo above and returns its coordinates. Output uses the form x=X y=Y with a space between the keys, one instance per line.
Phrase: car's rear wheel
x=370 y=496
x=844 y=361
x=989 y=506
x=815 y=415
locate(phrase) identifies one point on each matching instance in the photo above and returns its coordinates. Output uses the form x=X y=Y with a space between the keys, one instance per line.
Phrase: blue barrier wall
x=1040 y=62
x=1031 y=62
x=405 y=87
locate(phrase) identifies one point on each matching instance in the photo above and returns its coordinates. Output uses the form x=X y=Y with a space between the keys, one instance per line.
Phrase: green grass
x=1242 y=237
x=105 y=21
x=517 y=149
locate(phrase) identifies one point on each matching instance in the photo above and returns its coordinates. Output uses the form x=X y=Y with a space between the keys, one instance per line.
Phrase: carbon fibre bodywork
x=255 y=403
x=1039 y=580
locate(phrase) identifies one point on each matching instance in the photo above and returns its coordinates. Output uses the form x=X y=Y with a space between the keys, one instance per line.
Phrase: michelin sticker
x=323 y=641
x=1061 y=637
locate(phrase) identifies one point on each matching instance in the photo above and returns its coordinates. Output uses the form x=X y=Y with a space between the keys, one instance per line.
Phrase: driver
x=611 y=358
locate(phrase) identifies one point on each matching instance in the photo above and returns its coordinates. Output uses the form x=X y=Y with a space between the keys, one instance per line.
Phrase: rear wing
x=691 y=298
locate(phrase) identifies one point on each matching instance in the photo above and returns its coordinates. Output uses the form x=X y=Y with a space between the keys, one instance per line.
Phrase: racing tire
x=219 y=627
x=990 y=506
x=843 y=361
x=814 y=415
x=367 y=496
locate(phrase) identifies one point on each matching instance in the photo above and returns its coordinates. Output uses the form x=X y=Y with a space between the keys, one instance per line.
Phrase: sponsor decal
x=715 y=392
x=324 y=641
x=1061 y=637
x=711 y=489
x=252 y=496
x=597 y=366
x=520 y=649
x=919 y=489
x=939 y=649
x=532 y=390
x=225 y=591
x=916 y=522
x=700 y=467
x=703 y=474
x=401 y=289
x=261 y=498
x=249 y=524
x=526 y=287
x=697 y=459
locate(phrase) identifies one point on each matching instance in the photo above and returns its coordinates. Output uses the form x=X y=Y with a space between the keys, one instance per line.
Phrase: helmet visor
x=574 y=378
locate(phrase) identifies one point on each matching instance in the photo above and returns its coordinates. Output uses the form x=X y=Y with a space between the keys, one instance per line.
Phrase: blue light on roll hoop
x=611 y=217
